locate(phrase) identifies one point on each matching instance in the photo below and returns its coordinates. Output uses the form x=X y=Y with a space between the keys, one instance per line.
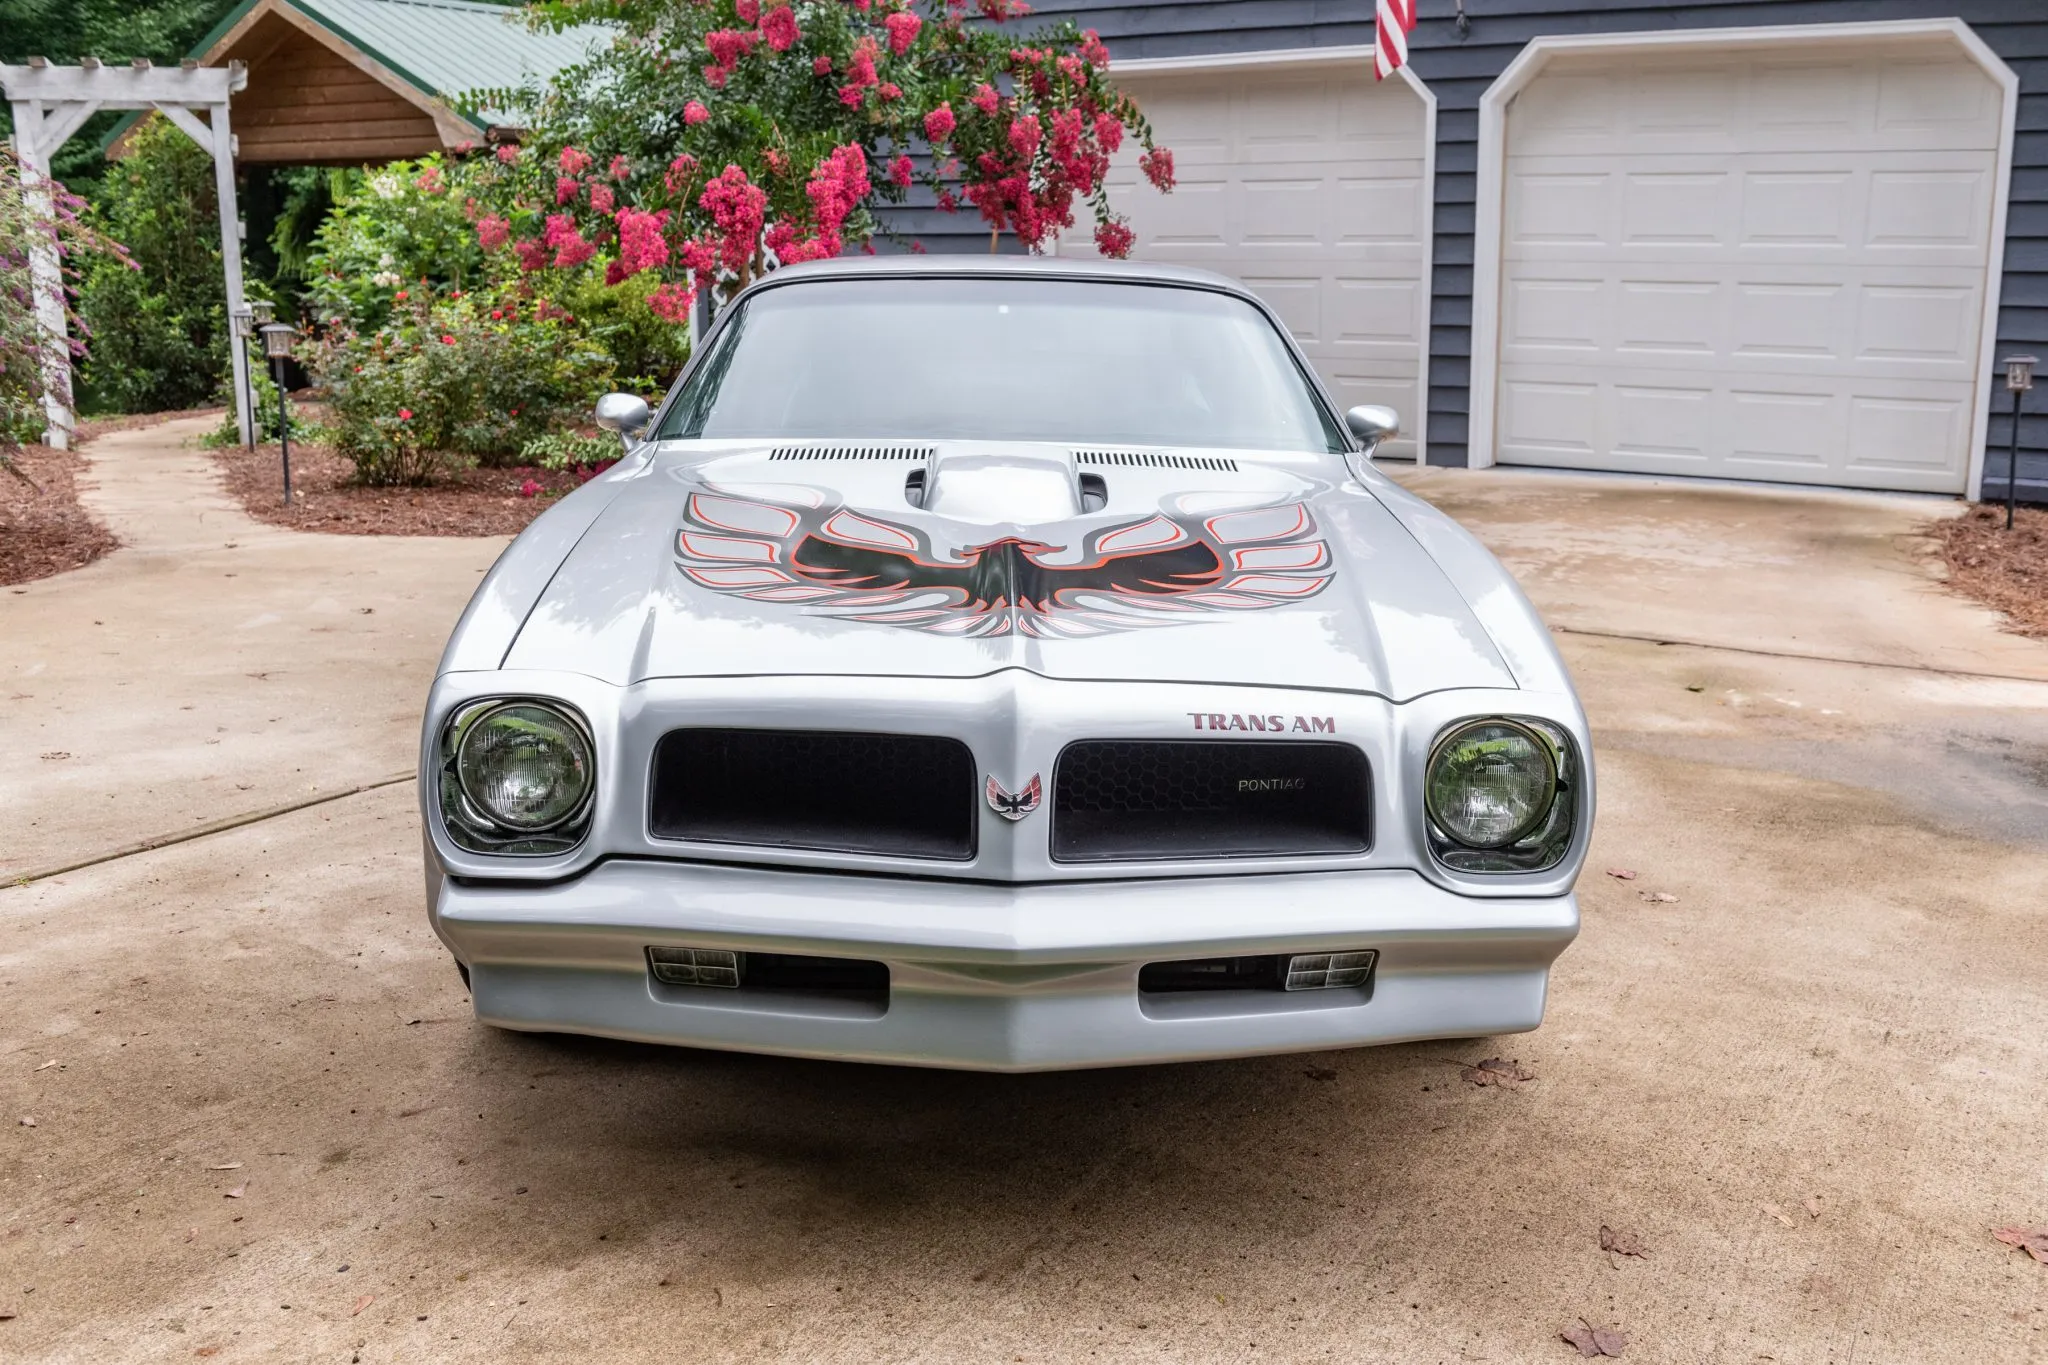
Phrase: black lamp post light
x=2019 y=377
x=277 y=344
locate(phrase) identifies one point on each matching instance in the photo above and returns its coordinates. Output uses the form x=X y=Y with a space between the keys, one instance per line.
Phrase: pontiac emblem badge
x=1018 y=805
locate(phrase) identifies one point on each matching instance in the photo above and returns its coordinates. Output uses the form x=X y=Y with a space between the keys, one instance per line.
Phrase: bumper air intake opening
x=902 y=796
x=848 y=987
x=1269 y=983
x=1133 y=800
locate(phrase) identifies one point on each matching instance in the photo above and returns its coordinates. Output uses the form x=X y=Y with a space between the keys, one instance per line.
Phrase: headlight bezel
x=475 y=830
x=1547 y=840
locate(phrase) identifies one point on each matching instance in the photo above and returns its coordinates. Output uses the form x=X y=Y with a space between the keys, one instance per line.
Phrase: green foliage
x=228 y=433
x=450 y=378
x=565 y=451
x=162 y=330
x=391 y=230
x=647 y=351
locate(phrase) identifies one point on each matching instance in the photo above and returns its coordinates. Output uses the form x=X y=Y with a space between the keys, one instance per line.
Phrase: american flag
x=1390 y=49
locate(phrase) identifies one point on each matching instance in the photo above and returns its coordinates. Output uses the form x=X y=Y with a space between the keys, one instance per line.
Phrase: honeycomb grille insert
x=1131 y=800
x=903 y=796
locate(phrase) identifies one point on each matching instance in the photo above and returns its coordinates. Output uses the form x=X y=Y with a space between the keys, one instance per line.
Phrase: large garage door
x=1307 y=185
x=1757 y=267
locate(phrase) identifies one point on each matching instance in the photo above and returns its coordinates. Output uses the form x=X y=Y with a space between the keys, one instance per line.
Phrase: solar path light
x=277 y=344
x=2019 y=377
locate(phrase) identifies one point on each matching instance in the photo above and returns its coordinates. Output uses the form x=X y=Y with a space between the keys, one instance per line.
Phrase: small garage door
x=1756 y=266
x=1307 y=185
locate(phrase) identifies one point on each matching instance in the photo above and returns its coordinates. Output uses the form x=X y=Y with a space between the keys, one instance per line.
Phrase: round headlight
x=1489 y=783
x=524 y=765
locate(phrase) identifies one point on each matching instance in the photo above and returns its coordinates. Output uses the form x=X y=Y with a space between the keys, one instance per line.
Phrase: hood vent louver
x=877 y=452
x=1149 y=459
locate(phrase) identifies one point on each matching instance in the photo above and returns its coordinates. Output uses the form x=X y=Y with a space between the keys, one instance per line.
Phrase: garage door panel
x=1922 y=209
x=1677 y=208
x=1309 y=188
x=1776 y=433
x=1660 y=421
x=1893 y=432
x=1676 y=318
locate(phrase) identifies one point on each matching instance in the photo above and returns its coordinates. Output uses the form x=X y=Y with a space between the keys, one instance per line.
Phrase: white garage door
x=1757 y=266
x=1307 y=185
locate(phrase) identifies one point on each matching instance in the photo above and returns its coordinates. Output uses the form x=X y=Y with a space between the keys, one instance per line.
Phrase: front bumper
x=1001 y=977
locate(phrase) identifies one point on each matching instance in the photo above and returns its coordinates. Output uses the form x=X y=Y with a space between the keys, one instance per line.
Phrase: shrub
x=396 y=228
x=162 y=329
x=454 y=378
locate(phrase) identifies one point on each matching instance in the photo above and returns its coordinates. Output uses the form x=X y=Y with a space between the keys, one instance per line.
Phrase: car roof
x=1055 y=267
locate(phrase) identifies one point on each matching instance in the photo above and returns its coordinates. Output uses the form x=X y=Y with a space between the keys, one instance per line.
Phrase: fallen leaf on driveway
x=1621 y=1243
x=1320 y=1073
x=1622 y=873
x=27 y=1122
x=191 y=1234
x=6 y=1314
x=1595 y=1341
x=235 y=1193
x=364 y=1302
x=1658 y=897
x=1778 y=1213
x=1812 y=1205
x=2033 y=1241
x=56 y=754
x=207 y=1351
x=1494 y=1071
x=227 y=1166
x=47 y=1065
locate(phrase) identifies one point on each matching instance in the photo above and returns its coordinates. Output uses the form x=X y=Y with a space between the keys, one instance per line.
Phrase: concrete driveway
x=266 y=1128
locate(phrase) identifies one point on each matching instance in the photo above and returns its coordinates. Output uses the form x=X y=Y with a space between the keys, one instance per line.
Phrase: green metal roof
x=444 y=48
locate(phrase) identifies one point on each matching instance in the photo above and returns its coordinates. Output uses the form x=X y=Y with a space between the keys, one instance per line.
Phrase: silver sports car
x=1008 y=665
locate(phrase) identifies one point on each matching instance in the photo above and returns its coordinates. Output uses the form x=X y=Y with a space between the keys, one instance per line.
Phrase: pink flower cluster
x=860 y=73
x=1157 y=165
x=779 y=28
x=727 y=47
x=574 y=162
x=738 y=208
x=903 y=27
x=641 y=244
x=671 y=303
x=492 y=232
x=566 y=242
x=939 y=124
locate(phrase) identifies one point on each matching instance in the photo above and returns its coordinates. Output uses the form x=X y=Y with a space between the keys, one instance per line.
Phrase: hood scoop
x=1014 y=490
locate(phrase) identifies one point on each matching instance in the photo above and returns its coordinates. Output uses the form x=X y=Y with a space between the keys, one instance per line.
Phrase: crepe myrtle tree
x=716 y=139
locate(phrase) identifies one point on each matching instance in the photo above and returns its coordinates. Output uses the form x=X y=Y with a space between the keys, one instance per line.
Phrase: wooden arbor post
x=50 y=104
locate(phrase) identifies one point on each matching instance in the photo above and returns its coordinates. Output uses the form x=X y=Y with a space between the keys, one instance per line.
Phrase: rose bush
x=715 y=140
x=455 y=377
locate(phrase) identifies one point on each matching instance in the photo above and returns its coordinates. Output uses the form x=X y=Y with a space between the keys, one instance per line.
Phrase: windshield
x=1002 y=359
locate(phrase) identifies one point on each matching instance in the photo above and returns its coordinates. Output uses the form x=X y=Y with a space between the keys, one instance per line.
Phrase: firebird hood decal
x=815 y=555
x=723 y=565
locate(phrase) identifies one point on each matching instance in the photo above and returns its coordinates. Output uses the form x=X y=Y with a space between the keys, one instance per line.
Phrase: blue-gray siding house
x=1785 y=241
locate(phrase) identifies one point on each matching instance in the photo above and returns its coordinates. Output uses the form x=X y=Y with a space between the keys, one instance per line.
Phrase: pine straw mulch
x=2005 y=570
x=44 y=529
x=474 y=502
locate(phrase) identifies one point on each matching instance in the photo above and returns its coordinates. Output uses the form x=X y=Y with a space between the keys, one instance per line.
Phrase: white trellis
x=53 y=102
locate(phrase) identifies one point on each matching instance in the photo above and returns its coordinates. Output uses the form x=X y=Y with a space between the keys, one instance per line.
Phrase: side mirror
x=1372 y=423
x=623 y=413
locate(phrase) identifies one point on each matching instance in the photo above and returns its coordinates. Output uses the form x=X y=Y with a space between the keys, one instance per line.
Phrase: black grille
x=906 y=796
x=1126 y=799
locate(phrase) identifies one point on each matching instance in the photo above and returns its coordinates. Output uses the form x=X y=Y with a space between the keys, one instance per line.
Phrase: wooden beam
x=122 y=87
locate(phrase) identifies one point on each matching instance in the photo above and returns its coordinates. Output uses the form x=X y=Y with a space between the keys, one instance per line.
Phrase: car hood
x=1115 y=565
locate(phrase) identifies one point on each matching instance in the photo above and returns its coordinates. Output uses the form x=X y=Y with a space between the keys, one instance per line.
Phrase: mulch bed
x=2005 y=570
x=476 y=502
x=43 y=528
